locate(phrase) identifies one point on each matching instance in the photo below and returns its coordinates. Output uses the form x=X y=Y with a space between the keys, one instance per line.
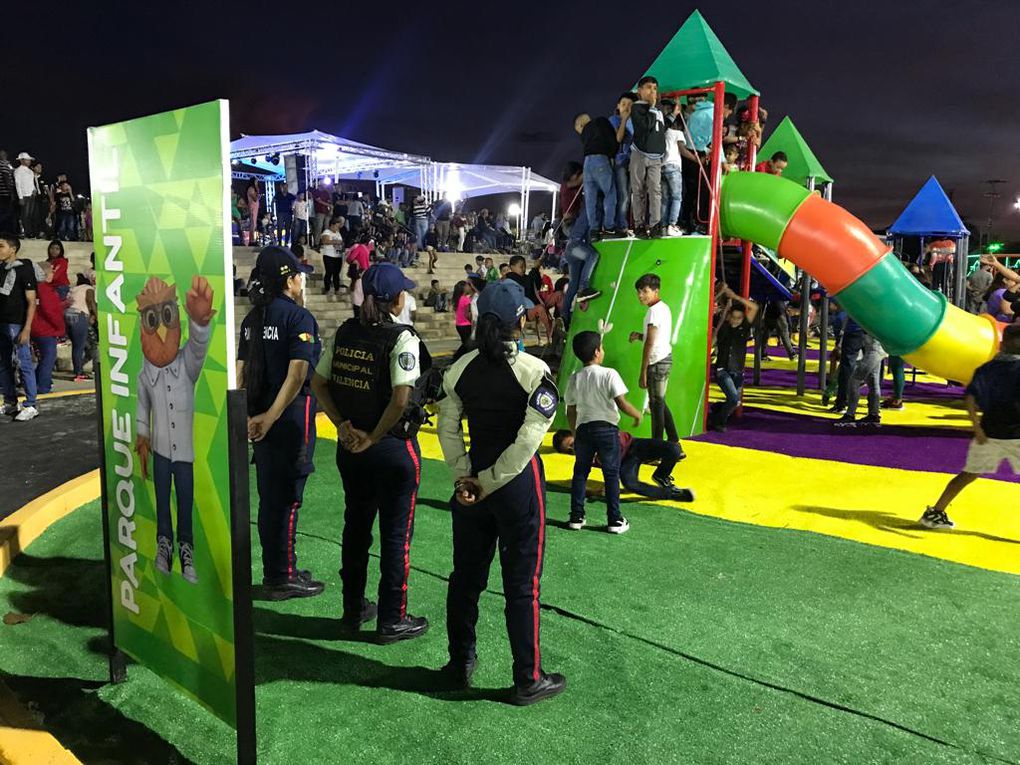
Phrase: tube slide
x=861 y=272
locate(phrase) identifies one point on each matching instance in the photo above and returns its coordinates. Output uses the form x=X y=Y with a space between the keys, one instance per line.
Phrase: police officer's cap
x=506 y=300
x=384 y=281
x=275 y=260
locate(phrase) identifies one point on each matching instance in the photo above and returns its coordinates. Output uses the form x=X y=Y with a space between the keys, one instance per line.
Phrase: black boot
x=300 y=585
x=352 y=621
x=408 y=628
x=458 y=674
x=545 y=687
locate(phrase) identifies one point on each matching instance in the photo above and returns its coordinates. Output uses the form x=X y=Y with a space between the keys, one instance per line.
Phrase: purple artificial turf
x=787 y=378
x=931 y=449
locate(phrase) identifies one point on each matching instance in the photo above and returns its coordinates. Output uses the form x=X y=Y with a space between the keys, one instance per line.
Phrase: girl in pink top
x=358 y=256
x=463 y=291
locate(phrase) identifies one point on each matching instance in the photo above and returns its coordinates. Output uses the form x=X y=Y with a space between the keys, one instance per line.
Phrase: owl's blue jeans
x=183 y=476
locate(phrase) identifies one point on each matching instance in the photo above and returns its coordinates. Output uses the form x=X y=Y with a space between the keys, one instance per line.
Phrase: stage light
x=235 y=161
x=274 y=159
x=994 y=247
x=1016 y=204
x=327 y=180
x=454 y=188
x=513 y=210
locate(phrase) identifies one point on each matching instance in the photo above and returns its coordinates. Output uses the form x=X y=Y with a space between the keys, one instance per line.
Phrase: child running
x=595 y=396
x=657 y=359
x=995 y=392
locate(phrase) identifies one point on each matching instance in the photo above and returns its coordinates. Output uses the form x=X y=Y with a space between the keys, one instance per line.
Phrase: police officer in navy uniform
x=278 y=351
x=365 y=382
x=509 y=400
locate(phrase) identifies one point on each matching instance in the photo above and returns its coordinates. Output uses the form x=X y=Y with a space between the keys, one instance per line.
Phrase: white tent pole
x=527 y=204
x=524 y=202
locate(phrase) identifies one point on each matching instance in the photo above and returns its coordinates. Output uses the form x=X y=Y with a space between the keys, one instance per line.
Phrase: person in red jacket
x=55 y=257
x=48 y=325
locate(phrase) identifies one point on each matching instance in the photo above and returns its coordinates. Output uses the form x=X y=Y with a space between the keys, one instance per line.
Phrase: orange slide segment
x=830 y=243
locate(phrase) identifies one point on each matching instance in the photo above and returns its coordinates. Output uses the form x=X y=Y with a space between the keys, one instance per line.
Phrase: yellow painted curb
x=21 y=740
x=66 y=393
x=21 y=528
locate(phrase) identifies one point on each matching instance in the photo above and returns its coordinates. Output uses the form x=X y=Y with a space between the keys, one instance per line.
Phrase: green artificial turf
x=687 y=640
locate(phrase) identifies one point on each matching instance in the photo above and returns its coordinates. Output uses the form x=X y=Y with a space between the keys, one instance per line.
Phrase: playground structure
x=944 y=239
x=862 y=272
x=797 y=222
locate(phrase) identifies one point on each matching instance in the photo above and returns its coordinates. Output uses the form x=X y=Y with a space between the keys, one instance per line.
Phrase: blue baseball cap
x=275 y=260
x=504 y=299
x=385 y=281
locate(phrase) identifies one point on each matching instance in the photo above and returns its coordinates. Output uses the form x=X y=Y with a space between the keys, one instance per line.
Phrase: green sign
x=166 y=318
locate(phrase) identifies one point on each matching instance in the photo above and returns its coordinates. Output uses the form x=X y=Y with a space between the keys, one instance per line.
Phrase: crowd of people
x=35 y=207
x=40 y=309
x=409 y=228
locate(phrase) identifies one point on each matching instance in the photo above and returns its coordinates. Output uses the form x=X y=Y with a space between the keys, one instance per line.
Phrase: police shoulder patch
x=407 y=361
x=545 y=398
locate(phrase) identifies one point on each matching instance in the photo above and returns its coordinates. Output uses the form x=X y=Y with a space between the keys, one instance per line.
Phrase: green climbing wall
x=683 y=265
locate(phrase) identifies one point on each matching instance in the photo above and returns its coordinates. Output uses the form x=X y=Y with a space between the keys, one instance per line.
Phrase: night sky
x=885 y=92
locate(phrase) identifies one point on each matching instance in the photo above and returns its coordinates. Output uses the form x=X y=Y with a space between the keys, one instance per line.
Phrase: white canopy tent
x=332 y=157
x=325 y=155
x=463 y=181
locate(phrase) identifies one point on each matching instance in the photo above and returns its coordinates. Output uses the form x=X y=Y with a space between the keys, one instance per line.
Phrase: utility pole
x=991 y=195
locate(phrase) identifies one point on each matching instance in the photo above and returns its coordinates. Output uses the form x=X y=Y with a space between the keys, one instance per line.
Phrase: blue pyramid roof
x=930 y=213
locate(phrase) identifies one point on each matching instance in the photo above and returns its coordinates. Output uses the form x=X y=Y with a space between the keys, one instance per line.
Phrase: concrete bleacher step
x=435 y=327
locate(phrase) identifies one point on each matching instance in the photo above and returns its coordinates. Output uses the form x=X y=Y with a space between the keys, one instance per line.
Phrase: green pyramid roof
x=803 y=162
x=695 y=58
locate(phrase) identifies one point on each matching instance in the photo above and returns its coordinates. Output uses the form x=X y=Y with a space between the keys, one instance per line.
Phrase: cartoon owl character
x=166 y=407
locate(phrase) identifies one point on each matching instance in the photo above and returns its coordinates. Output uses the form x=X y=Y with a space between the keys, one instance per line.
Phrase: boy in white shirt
x=595 y=395
x=657 y=359
x=672 y=177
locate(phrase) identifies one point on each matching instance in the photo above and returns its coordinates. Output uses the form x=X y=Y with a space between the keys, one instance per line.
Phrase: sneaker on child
x=619 y=526
x=27 y=413
x=935 y=519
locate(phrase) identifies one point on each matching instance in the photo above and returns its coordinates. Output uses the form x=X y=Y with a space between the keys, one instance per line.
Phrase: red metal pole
x=715 y=182
x=752 y=158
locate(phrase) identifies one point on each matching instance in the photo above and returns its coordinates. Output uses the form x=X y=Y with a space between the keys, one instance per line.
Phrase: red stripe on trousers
x=290 y=541
x=308 y=408
x=410 y=524
x=538 y=563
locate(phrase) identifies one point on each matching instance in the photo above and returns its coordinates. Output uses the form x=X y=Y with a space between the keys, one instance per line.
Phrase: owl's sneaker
x=164 y=555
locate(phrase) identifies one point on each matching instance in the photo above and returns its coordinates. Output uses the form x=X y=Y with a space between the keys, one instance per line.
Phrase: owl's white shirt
x=166 y=396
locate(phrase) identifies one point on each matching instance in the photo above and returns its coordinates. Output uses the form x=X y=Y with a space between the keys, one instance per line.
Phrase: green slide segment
x=683 y=265
x=756 y=207
x=883 y=298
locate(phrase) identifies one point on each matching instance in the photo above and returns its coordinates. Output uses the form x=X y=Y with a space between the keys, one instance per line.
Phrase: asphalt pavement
x=37 y=456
